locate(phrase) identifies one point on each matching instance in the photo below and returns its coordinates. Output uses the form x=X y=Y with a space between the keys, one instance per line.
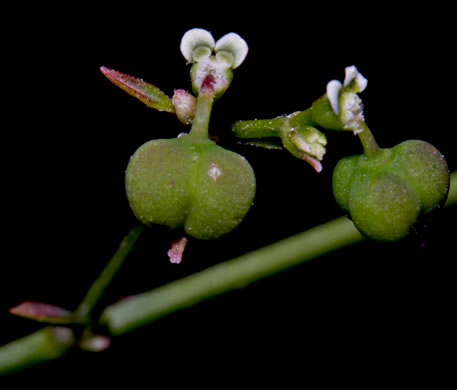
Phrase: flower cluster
x=198 y=46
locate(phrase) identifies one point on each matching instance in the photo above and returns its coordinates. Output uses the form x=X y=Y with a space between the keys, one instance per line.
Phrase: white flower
x=344 y=100
x=197 y=47
x=197 y=43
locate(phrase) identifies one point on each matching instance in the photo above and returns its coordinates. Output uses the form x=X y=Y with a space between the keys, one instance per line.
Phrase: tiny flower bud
x=184 y=104
x=310 y=141
x=177 y=249
x=304 y=142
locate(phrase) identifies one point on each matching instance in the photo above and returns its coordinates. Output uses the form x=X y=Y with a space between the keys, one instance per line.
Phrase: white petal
x=235 y=45
x=194 y=38
x=352 y=73
x=333 y=95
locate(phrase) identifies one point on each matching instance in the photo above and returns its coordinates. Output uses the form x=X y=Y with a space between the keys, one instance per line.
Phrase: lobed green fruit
x=385 y=195
x=189 y=183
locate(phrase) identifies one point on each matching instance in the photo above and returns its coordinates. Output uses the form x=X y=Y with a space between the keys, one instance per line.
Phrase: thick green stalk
x=82 y=313
x=144 y=308
x=302 y=118
x=202 y=114
x=370 y=146
x=265 y=128
x=139 y=310
x=258 y=128
x=452 y=196
x=46 y=344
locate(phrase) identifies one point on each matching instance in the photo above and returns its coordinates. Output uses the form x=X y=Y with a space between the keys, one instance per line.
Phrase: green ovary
x=384 y=195
x=383 y=207
x=190 y=184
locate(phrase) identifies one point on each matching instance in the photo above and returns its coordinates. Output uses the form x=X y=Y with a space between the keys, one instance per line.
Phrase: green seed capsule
x=385 y=194
x=190 y=183
x=425 y=169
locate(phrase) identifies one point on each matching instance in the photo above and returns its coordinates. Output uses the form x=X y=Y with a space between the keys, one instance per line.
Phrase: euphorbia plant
x=191 y=184
x=384 y=191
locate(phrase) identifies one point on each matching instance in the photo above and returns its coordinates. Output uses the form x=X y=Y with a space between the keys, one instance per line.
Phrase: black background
x=68 y=135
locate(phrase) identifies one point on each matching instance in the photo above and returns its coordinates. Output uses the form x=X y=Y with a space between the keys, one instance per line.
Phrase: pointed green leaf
x=42 y=312
x=149 y=94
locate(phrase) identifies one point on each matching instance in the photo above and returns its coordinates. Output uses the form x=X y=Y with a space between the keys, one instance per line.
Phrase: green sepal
x=147 y=93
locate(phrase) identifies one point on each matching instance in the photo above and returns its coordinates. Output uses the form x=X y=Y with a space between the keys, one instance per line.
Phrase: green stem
x=51 y=343
x=452 y=196
x=141 y=309
x=266 y=128
x=84 y=310
x=302 y=118
x=368 y=141
x=258 y=128
x=202 y=115
x=44 y=345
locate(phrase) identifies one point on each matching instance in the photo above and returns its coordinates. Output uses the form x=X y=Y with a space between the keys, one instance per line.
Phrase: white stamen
x=352 y=112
